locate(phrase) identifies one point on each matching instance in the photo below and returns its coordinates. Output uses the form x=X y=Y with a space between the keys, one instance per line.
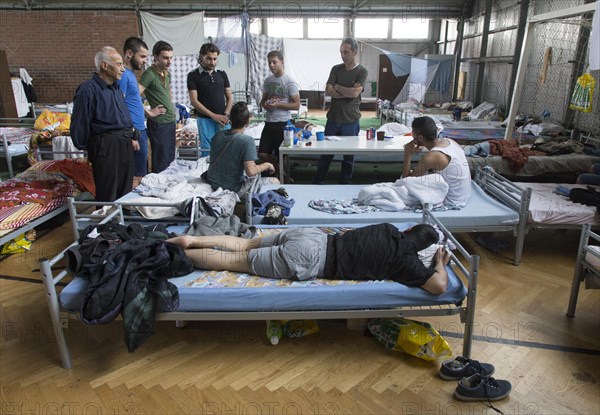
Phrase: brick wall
x=57 y=47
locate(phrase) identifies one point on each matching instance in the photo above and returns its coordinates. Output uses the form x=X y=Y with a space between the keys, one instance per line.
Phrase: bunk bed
x=206 y=295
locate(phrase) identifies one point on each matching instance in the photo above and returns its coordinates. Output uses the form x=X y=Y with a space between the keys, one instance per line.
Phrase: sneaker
x=481 y=388
x=463 y=367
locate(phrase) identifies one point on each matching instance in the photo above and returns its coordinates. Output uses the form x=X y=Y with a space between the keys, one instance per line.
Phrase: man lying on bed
x=445 y=157
x=374 y=252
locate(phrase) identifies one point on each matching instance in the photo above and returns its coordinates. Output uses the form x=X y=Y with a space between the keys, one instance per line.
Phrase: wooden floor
x=228 y=368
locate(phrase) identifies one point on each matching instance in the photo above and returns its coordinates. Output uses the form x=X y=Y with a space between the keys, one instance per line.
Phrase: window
x=231 y=25
x=410 y=29
x=452 y=29
x=255 y=26
x=371 y=28
x=292 y=29
x=325 y=29
x=211 y=25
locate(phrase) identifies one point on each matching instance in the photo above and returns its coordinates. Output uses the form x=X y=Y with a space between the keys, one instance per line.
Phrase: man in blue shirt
x=135 y=55
x=101 y=124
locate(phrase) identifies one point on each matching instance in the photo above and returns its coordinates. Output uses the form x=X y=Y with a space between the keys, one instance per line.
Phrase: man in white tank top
x=444 y=156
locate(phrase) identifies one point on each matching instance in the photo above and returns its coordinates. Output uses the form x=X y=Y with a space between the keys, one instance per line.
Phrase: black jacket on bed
x=131 y=278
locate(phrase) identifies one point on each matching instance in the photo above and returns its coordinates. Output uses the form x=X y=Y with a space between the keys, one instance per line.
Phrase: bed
x=587 y=265
x=40 y=193
x=496 y=205
x=549 y=210
x=206 y=295
x=537 y=166
x=14 y=142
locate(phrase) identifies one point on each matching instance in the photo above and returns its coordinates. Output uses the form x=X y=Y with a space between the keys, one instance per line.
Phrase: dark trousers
x=271 y=138
x=162 y=140
x=111 y=155
x=141 y=156
x=332 y=128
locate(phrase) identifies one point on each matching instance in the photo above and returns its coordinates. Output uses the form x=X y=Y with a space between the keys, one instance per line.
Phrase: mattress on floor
x=550 y=208
x=230 y=291
x=481 y=210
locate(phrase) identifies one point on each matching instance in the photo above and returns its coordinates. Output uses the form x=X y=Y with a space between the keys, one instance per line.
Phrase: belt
x=125 y=132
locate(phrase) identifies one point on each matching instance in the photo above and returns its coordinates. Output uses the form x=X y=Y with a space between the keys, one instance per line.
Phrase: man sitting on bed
x=233 y=157
x=444 y=156
x=374 y=252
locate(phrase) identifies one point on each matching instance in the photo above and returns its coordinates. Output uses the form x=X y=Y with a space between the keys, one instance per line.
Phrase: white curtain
x=185 y=34
x=309 y=62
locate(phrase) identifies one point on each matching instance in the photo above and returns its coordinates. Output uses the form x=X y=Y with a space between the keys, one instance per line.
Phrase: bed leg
x=471 y=302
x=578 y=275
x=54 y=308
x=577 y=278
x=248 y=208
x=519 y=243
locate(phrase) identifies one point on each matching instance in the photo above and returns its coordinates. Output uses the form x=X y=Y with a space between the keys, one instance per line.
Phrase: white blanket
x=181 y=181
x=406 y=193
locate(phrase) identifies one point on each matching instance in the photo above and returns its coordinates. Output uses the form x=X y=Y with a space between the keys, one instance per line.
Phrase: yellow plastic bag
x=413 y=337
x=49 y=120
x=20 y=244
x=581 y=99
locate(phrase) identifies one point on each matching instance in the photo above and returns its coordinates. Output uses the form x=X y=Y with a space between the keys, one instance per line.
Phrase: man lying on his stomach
x=374 y=252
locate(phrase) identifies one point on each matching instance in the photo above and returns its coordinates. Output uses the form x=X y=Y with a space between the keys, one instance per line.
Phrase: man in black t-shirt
x=374 y=252
x=210 y=94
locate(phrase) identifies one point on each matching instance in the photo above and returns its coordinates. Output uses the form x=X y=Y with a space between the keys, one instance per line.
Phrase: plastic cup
x=380 y=135
x=320 y=135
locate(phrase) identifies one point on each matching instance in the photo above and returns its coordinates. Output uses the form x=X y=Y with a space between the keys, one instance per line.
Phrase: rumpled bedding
x=406 y=193
x=179 y=182
x=42 y=192
x=510 y=151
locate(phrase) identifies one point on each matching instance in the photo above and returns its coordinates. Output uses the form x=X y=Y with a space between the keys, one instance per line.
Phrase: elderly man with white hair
x=101 y=123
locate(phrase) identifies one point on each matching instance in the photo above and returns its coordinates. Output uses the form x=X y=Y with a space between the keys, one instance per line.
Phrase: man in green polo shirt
x=155 y=84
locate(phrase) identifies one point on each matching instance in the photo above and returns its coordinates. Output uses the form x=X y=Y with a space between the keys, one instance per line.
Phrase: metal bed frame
x=583 y=267
x=469 y=273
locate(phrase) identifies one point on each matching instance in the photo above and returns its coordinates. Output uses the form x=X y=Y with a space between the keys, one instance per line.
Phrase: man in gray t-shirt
x=280 y=95
x=344 y=86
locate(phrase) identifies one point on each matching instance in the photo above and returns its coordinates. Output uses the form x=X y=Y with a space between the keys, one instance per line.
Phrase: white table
x=353 y=145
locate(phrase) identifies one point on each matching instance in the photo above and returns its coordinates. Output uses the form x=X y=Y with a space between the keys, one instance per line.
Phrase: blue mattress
x=291 y=296
x=226 y=291
x=482 y=210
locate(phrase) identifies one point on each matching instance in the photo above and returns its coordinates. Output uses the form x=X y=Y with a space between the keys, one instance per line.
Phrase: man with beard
x=210 y=94
x=101 y=124
x=345 y=84
x=155 y=84
x=135 y=56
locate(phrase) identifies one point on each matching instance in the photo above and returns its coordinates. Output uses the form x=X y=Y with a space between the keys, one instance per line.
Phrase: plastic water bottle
x=274 y=331
x=288 y=135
